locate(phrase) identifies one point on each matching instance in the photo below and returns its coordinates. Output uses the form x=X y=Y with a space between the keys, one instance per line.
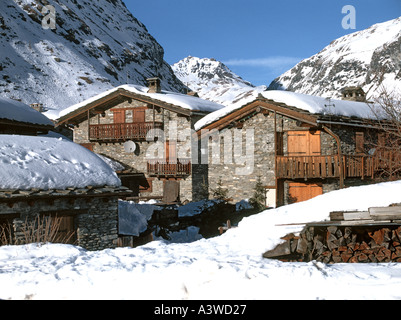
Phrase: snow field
x=226 y=267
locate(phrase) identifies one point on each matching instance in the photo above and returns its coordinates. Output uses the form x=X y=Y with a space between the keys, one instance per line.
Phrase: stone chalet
x=299 y=146
x=149 y=132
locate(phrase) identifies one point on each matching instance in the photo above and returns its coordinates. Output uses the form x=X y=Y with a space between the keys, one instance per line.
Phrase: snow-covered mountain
x=365 y=58
x=214 y=81
x=97 y=44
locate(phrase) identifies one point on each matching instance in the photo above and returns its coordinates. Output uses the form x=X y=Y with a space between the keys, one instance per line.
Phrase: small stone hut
x=48 y=177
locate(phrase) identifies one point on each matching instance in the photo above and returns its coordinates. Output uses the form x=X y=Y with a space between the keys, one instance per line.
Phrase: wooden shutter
x=303 y=143
x=171 y=151
x=279 y=143
x=139 y=115
x=359 y=142
x=314 y=143
x=381 y=141
x=119 y=116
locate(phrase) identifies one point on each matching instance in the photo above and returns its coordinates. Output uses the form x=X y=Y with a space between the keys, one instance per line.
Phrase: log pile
x=367 y=239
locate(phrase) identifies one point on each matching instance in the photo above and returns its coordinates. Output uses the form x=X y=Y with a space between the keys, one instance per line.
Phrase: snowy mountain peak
x=207 y=71
x=96 y=46
x=214 y=81
x=365 y=58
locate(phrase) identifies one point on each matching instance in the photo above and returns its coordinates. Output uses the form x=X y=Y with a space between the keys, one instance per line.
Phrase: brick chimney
x=154 y=85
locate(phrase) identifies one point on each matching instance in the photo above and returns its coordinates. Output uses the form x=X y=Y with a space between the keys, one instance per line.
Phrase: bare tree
x=387 y=109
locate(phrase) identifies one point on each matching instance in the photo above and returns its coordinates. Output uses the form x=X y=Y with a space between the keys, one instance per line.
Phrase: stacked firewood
x=339 y=244
x=349 y=236
x=353 y=244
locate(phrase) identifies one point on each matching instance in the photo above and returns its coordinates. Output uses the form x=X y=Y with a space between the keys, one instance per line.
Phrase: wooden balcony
x=321 y=167
x=122 y=131
x=159 y=168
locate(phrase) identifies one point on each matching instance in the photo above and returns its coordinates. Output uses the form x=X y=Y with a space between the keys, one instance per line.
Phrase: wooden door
x=6 y=230
x=298 y=191
x=303 y=143
x=171 y=191
x=67 y=230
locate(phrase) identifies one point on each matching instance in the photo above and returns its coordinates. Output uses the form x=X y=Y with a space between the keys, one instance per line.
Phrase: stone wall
x=238 y=164
x=95 y=218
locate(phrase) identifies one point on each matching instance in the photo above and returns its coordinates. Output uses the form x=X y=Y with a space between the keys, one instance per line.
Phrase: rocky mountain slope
x=97 y=44
x=214 y=81
x=367 y=58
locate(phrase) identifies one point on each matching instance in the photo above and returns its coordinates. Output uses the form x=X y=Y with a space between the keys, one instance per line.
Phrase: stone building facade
x=150 y=134
x=293 y=155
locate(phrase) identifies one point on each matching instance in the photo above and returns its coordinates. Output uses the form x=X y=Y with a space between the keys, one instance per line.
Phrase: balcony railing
x=178 y=168
x=308 y=167
x=122 y=131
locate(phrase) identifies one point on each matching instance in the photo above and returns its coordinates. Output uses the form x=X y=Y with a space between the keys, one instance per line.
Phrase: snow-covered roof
x=28 y=162
x=178 y=99
x=18 y=111
x=312 y=104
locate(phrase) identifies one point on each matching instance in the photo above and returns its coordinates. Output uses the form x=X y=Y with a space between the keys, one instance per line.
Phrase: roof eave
x=78 y=115
x=263 y=103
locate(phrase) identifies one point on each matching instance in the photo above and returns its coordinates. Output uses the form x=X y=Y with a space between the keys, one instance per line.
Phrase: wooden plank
x=324 y=167
x=349 y=215
x=385 y=213
x=351 y=223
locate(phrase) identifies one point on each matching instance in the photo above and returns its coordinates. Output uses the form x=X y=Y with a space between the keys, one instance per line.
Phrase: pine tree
x=220 y=193
x=258 y=200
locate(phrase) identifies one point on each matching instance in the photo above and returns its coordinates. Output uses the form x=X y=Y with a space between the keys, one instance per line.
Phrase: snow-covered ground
x=225 y=267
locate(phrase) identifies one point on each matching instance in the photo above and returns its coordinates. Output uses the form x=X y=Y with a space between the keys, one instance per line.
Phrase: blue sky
x=257 y=39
